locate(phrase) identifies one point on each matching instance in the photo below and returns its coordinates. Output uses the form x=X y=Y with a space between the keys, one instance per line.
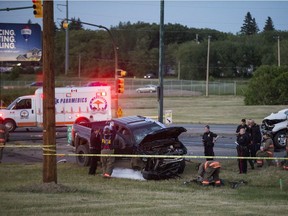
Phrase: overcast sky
x=225 y=16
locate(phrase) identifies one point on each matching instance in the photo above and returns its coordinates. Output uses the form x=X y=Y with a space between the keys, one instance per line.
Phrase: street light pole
x=116 y=59
x=207 y=72
x=161 y=63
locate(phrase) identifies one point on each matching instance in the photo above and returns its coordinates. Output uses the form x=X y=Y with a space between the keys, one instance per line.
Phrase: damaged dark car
x=144 y=136
x=159 y=145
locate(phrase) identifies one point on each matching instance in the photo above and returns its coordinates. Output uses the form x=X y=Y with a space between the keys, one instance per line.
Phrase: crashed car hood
x=279 y=115
x=165 y=133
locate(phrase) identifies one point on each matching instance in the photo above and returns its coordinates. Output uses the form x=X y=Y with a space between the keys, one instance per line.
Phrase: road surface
x=25 y=146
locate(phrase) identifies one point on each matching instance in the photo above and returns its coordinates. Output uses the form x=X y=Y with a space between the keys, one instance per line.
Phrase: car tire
x=10 y=125
x=182 y=166
x=82 y=160
x=280 y=139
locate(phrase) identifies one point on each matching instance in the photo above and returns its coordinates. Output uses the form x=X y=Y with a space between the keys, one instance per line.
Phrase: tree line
x=231 y=55
x=248 y=53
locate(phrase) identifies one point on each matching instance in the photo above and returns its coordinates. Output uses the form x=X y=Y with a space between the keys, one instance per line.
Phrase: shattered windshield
x=141 y=132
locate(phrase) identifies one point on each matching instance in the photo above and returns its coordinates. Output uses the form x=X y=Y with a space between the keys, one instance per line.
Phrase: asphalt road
x=22 y=143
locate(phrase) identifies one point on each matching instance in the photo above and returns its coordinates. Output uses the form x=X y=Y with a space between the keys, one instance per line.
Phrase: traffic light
x=65 y=24
x=37 y=8
x=121 y=73
x=120 y=83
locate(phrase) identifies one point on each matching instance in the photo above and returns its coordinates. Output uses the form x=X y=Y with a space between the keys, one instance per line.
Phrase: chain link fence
x=171 y=86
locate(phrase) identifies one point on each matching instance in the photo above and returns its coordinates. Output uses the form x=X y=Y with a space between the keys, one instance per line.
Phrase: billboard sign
x=20 y=42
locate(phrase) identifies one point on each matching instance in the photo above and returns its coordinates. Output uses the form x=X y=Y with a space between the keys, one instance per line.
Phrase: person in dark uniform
x=208 y=139
x=242 y=125
x=3 y=137
x=242 y=150
x=95 y=148
x=107 y=147
x=255 y=140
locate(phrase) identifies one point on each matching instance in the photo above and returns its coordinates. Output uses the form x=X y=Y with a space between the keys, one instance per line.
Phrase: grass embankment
x=199 y=109
x=76 y=193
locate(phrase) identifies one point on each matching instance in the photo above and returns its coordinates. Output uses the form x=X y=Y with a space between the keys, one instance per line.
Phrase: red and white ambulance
x=72 y=105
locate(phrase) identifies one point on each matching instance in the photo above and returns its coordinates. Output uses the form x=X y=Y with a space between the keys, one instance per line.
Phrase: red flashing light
x=120 y=85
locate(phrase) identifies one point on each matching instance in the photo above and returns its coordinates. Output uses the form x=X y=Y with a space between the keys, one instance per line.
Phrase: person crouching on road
x=208 y=172
x=107 y=147
x=242 y=149
x=266 y=150
x=95 y=148
x=208 y=139
x=3 y=137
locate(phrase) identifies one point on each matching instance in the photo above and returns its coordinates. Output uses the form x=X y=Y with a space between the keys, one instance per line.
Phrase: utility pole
x=67 y=44
x=79 y=66
x=207 y=72
x=49 y=145
x=161 y=63
x=278 y=39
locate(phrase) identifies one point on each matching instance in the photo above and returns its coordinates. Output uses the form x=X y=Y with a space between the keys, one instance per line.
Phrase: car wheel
x=280 y=139
x=182 y=166
x=10 y=125
x=82 y=160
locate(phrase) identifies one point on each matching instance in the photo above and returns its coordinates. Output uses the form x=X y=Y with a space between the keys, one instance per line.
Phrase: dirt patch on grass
x=47 y=188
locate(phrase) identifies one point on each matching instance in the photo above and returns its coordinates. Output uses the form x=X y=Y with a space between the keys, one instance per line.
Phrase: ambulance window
x=23 y=104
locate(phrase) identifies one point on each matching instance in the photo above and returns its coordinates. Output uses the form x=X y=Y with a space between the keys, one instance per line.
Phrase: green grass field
x=199 y=109
x=23 y=193
x=76 y=193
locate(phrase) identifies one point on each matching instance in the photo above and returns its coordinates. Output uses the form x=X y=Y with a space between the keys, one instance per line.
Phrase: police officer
x=3 y=137
x=255 y=140
x=242 y=125
x=266 y=149
x=208 y=172
x=208 y=139
x=95 y=148
x=242 y=150
x=107 y=147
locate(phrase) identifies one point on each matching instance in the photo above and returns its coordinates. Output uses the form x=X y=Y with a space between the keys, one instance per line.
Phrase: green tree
x=249 y=26
x=268 y=25
x=268 y=86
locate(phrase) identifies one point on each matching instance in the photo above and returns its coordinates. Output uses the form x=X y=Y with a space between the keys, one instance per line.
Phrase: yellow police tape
x=25 y=146
x=167 y=156
x=46 y=148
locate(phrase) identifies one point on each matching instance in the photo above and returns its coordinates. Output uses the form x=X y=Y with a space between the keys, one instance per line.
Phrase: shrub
x=267 y=86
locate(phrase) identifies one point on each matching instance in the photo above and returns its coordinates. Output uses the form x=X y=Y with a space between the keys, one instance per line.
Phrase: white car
x=277 y=124
x=149 y=76
x=147 y=88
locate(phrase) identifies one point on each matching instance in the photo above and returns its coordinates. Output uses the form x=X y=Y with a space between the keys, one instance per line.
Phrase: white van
x=72 y=105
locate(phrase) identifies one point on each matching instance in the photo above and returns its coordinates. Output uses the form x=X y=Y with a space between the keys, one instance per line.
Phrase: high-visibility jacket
x=107 y=142
x=3 y=134
x=208 y=164
x=268 y=146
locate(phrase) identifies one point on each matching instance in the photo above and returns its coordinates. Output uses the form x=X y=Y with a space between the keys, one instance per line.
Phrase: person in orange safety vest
x=285 y=162
x=266 y=149
x=208 y=172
